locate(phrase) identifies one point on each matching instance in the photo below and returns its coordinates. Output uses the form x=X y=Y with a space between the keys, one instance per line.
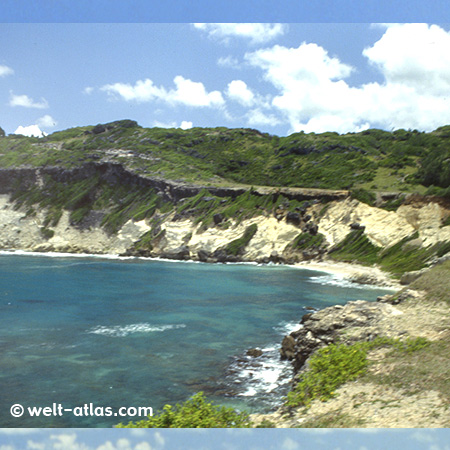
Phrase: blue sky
x=223 y=11
x=276 y=77
x=268 y=439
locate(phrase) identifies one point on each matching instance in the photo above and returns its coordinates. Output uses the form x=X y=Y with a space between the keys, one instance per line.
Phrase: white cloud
x=143 y=446
x=159 y=438
x=5 y=70
x=66 y=442
x=229 y=61
x=186 y=92
x=31 y=130
x=47 y=121
x=142 y=91
x=416 y=55
x=256 y=32
x=290 y=444
x=238 y=90
x=256 y=117
x=193 y=94
x=88 y=90
x=27 y=102
x=185 y=125
x=313 y=93
x=7 y=447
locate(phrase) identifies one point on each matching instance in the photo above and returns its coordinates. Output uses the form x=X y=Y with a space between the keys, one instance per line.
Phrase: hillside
x=406 y=161
x=377 y=199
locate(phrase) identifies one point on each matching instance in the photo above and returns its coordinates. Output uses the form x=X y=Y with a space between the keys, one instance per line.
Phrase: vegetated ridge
x=214 y=194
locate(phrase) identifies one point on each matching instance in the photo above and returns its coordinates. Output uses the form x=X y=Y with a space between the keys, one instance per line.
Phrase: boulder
x=294 y=218
x=254 y=352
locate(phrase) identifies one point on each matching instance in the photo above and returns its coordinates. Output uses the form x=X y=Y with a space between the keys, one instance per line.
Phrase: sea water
x=132 y=332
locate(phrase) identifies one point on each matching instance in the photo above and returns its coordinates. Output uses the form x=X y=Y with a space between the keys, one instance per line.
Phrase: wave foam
x=125 y=330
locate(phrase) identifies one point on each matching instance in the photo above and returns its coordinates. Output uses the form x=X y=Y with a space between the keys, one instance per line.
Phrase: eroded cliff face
x=271 y=242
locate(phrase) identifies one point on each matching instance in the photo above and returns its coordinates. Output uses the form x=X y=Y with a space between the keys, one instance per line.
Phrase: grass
x=237 y=246
x=336 y=364
x=372 y=159
x=435 y=282
x=305 y=240
x=421 y=370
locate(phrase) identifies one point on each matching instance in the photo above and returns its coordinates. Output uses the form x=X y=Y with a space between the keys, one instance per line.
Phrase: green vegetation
x=356 y=247
x=47 y=233
x=373 y=160
x=404 y=256
x=336 y=364
x=238 y=245
x=194 y=413
x=305 y=240
x=363 y=196
x=435 y=282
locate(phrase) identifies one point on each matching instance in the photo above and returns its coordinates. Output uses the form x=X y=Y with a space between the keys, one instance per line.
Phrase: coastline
x=355 y=273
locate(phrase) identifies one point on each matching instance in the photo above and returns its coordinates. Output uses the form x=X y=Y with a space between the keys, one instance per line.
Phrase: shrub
x=237 y=246
x=194 y=413
x=336 y=364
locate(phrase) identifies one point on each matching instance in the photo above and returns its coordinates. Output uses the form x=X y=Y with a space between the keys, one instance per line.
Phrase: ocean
x=122 y=332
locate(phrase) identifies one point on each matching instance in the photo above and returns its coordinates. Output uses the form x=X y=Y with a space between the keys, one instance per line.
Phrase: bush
x=237 y=246
x=194 y=413
x=336 y=364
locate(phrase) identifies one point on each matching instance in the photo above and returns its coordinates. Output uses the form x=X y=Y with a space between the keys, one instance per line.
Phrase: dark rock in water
x=357 y=226
x=218 y=218
x=310 y=308
x=181 y=253
x=254 y=352
x=288 y=348
x=306 y=317
x=203 y=255
x=293 y=217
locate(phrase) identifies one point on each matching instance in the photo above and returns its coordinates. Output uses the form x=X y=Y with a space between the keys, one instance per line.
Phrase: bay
x=119 y=333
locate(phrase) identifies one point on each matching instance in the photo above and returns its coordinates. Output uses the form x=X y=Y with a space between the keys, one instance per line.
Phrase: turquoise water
x=144 y=333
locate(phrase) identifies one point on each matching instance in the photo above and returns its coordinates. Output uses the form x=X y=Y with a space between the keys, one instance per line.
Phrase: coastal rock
x=356 y=321
x=254 y=352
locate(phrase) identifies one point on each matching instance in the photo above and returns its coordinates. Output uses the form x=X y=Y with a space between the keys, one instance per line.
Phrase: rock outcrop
x=356 y=321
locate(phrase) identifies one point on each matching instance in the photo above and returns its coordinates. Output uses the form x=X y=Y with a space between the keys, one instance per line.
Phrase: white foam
x=340 y=281
x=125 y=330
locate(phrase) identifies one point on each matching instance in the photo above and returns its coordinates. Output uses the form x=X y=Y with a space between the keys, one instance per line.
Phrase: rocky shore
x=363 y=403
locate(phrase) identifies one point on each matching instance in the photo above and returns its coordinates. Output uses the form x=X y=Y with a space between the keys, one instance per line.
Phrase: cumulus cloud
x=30 y=131
x=185 y=125
x=27 y=102
x=313 y=93
x=416 y=55
x=5 y=70
x=88 y=90
x=238 y=90
x=47 y=121
x=257 y=33
x=257 y=117
x=186 y=92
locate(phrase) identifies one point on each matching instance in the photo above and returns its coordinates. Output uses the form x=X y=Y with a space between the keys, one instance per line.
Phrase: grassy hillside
x=408 y=161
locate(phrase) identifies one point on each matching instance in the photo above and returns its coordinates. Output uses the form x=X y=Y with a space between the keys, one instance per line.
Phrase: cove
x=119 y=333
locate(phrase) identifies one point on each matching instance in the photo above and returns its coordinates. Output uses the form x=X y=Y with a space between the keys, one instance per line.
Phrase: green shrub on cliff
x=237 y=246
x=336 y=364
x=193 y=413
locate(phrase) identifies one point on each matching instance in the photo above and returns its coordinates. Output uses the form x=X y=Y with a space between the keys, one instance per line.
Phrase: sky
x=224 y=439
x=279 y=78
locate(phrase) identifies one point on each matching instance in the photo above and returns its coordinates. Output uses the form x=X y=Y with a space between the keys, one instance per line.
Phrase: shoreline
x=352 y=272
